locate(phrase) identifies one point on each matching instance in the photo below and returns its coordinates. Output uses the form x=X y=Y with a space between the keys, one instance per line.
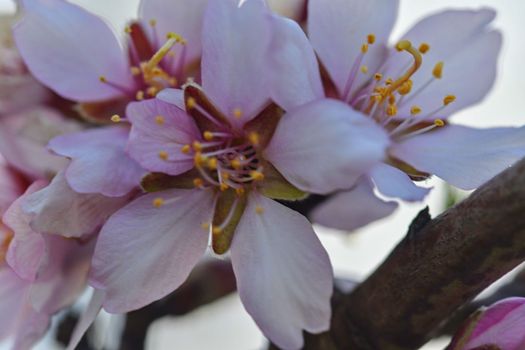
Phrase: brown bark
x=434 y=270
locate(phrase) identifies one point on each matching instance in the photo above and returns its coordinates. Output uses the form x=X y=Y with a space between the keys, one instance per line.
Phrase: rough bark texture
x=434 y=270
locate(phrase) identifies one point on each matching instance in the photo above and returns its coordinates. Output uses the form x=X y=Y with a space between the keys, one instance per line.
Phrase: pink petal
x=469 y=49
x=154 y=248
x=235 y=42
x=13 y=293
x=27 y=248
x=173 y=96
x=182 y=17
x=325 y=145
x=12 y=185
x=24 y=137
x=464 y=157
x=284 y=276
x=62 y=276
x=99 y=161
x=392 y=182
x=68 y=49
x=33 y=327
x=338 y=29
x=353 y=209
x=88 y=317
x=149 y=137
x=293 y=67
x=502 y=324
x=85 y=212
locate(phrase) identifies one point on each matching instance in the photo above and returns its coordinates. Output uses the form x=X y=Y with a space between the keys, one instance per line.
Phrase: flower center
x=152 y=70
x=383 y=97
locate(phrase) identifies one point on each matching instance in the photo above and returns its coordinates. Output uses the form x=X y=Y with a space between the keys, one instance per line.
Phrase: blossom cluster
x=129 y=156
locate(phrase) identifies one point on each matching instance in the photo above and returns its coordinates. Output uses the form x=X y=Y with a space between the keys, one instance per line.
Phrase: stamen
x=415 y=110
x=423 y=48
x=449 y=99
x=186 y=149
x=437 y=72
x=254 y=139
x=391 y=110
x=371 y=38
x=163 y=155
x=139 y=95
x=198 y=182
x=364 y=69
x=256 y=175
x=437 y=124
x=237 y=113
x=116 y=86
x=208 y=135
x=406 y=45
x=158 y=202
x=159 y=120
x=116 y=118
x=259 y=210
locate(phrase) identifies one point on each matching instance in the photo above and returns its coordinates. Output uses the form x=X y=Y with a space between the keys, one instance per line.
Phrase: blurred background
x=224 y=324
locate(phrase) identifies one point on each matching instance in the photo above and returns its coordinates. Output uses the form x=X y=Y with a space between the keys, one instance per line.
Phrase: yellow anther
x=236 y=164
x=216 y=230
x=449 y=99
x=205 y=226
x=172 y=81
x=116 y=118
x=254 y=138
x=423 y=48
x=364 y=48
x=259 y=209
x=415 y=110
x=158 y=202
x=208 y=135
x=404 y=45
x=225 y=175
x=153 y=22
x=237 y=113
x=163 y=155
x=127 y=29
x=391 y=110
x=135 y=71
x=197 y=146
x=371 y=38
x=439 y=122
x=378 y=76
x=256 y=175
x=198 y=182
x=405 y=88
x=140 y=95
x=186 y=149
x=212 y=163
x=240 y=191
x=190 y=103
x=198 y=159
x=160 y=120
x=102 y=79
x=389 y=81
x=223 y=187
x=152 y=91
x=437 y=72
x=177 y=37
x=391 y=99
x=364 y=69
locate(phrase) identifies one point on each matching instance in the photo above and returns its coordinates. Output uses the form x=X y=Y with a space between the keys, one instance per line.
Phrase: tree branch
x=434 y=270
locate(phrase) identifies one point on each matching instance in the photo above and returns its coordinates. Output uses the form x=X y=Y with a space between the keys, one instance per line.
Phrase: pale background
x=224 y=324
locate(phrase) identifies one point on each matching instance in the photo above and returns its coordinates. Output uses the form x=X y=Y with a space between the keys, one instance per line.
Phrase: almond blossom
x=218 y=161
x=39 y=274
x=445 y=63
x=498 y=327
x=161 y=49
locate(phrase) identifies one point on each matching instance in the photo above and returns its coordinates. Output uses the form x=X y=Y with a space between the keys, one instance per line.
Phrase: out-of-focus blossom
x=220 y=160
x=42 y=274
x=161 y=50
x=499 y=327
x=18 y=88
x=24 y=137
x=445 y=63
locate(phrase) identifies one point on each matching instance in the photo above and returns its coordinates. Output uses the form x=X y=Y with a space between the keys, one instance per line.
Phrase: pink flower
x=77 y=54
x=221 y=154
x=500 y=326
x=445 y=63
x=18 y=89
x=39 y=274
x=24 y=137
